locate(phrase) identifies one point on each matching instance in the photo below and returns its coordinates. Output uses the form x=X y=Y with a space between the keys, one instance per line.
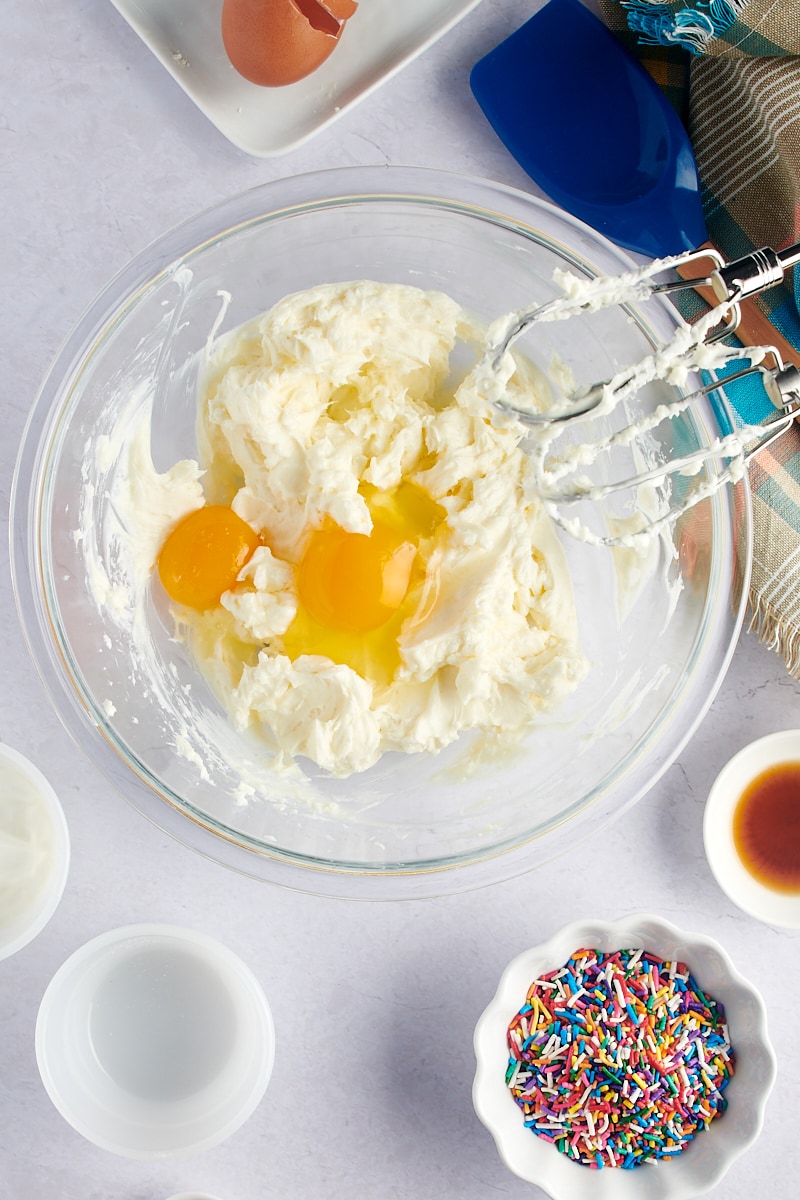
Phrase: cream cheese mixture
x=27 y=845
x=335 y=414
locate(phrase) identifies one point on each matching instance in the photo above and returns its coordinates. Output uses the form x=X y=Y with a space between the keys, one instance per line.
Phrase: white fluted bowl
x=703 y=1163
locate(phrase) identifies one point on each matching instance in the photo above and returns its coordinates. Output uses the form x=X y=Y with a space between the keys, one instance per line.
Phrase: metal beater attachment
x=701 y=346
x=730 y=284
x=745 y=277
x=782 y=385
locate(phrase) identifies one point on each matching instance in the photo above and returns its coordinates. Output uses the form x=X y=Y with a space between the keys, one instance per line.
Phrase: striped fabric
x=732 y=70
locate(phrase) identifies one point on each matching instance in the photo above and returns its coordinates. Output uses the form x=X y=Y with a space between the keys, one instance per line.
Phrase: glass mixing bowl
x=413 y=824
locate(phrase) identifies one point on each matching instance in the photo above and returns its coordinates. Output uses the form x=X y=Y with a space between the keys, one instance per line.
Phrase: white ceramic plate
x=379 y=40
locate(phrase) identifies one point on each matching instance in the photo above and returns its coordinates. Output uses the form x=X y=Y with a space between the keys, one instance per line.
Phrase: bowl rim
x=530 y=1157
x=506 y=206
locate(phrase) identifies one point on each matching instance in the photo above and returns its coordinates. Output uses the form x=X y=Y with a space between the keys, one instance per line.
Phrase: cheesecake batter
x=341 y=410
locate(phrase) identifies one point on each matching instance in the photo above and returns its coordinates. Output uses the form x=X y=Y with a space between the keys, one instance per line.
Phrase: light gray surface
x=374 y=1005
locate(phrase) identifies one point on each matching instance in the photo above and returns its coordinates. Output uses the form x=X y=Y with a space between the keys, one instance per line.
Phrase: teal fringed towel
x=732 y=70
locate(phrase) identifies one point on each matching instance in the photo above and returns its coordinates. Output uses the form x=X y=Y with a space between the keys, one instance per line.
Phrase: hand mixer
x=700 y=346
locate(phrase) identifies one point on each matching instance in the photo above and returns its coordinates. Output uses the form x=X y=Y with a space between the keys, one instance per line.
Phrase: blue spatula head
x=591 y=127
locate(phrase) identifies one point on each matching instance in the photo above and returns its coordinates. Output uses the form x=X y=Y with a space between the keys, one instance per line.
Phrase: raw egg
x=355 y=590
x=275 y=42
x=203 y=554
x=354 y=582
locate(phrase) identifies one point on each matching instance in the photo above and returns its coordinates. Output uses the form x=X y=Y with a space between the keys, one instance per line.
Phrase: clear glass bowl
x=412 y=825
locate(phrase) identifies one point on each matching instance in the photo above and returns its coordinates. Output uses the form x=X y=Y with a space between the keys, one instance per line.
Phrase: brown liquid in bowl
x=766 y=827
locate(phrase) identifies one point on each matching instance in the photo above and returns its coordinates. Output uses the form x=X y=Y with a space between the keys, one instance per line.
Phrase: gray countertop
x=374 y=1004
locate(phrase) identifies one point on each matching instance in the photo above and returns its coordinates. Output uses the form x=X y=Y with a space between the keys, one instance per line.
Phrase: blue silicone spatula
x=592 y=128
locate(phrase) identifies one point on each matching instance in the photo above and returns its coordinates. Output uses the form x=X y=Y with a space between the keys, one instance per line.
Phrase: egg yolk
x=355 y=590
x=203 y=554
x=355 y=581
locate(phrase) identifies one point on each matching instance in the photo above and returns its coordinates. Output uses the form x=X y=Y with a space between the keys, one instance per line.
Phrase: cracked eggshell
x=275 y=42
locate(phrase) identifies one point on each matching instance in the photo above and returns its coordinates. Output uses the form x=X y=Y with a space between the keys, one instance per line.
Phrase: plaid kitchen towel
x=732 y=70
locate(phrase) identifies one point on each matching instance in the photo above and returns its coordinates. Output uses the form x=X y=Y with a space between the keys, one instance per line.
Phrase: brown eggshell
x=275 y=42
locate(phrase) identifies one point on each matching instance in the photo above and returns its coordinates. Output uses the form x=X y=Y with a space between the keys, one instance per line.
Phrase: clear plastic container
x=154 y=1041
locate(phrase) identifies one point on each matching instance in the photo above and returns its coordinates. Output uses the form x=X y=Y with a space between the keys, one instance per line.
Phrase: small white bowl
x=154 y=1041
x=753 y=897
x=704 y=1162
x=34 y=842
x=194 y=1196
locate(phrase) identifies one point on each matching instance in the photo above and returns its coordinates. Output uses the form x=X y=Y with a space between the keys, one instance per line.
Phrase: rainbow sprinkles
x=619 y=1058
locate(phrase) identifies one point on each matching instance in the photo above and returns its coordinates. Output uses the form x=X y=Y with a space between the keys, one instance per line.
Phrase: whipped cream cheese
x=34 y=851
x=337 y=390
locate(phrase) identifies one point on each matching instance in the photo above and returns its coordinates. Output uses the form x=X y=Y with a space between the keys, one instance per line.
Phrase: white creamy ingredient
x=335 y=387
x=27 y=845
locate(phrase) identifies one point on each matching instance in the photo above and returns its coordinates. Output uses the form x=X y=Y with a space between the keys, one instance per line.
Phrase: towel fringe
x=659 y=24
x=775 y=632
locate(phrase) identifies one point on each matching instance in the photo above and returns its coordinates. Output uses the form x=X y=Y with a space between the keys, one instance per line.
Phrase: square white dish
x=380 y=39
